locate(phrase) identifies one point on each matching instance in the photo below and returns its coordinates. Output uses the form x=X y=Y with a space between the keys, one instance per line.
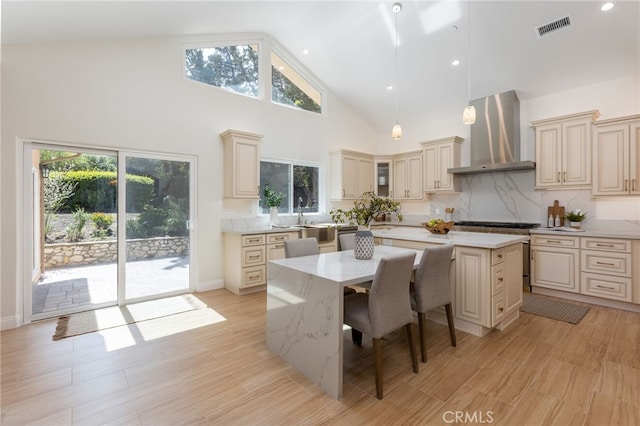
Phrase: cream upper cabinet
x=241 y=164
x=351 y=174
x=563 y=150
x=616 y=153
x=407 y=176
x=382 y=178
x=440 y=155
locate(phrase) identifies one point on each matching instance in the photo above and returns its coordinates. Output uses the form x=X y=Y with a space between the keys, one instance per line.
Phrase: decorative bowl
x=440 y=228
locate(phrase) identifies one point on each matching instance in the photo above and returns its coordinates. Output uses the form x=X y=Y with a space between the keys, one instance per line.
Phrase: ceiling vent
x=553 y=27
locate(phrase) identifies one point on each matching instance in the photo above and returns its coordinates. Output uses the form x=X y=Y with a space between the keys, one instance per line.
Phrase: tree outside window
x=296 y=181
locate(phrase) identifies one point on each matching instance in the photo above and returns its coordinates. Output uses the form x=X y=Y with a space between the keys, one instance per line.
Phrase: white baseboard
x=7 y=323
x=210 y=285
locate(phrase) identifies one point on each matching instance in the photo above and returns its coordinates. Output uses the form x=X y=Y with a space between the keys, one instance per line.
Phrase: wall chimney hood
x=495 y=136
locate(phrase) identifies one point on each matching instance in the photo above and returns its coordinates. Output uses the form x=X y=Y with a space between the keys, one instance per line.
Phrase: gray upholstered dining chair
x=301 y=247
x=306 y=247
x=347 y=241
x=384 y=309
x=431 y=289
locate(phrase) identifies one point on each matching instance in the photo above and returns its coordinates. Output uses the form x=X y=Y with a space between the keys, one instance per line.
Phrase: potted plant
x=366 y=209
x=575 y=217
x=273 y=199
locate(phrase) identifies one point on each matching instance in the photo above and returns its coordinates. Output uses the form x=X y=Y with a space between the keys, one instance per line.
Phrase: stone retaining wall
x=96 y=252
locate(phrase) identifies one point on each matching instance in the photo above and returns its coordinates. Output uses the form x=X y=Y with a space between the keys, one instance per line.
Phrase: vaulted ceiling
x=351 y=44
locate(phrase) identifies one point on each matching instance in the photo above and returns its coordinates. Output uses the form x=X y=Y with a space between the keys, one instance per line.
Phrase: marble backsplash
x=510 y=197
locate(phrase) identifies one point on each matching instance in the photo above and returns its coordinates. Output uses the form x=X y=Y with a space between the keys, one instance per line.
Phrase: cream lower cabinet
x=606 y=268
x=616 y=157
x=555 y=262
x=245 y=269
x=488 y=284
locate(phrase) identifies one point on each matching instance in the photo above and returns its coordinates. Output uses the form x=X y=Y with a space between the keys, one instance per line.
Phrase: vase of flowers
x=273 y=199
x=366 y=209
x=575 y=218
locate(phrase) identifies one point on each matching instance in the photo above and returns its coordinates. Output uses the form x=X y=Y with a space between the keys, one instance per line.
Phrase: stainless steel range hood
x=495 y=136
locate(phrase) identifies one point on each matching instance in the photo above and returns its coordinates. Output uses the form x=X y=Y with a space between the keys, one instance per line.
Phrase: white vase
x=363 y=249
x=274 y=216
x=575 y=225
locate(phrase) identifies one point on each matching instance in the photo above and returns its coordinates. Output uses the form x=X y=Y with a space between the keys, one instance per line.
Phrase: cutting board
x=556 y=210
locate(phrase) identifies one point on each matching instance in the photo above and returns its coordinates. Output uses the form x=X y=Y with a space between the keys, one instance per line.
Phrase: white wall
x=131 y=94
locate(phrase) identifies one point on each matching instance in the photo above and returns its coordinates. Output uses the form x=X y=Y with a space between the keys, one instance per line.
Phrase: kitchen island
x=305 y=295
x=305 y=310
x=486 y=286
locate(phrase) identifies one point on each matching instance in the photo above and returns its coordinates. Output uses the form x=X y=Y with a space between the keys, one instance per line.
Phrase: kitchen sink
x=323 y=232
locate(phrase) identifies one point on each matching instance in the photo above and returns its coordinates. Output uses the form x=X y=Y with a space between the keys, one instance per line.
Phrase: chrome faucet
x=299 y=210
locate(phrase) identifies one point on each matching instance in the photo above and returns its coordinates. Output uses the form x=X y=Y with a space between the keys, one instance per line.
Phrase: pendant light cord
x=396 y=83
x=469 y=53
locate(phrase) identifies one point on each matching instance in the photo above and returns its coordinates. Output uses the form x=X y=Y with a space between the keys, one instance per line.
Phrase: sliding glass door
x=157 y=235
x=104 y=228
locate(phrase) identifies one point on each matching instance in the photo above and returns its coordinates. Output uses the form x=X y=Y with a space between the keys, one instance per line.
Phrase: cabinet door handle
x=253 y=277
x=500 y=309
x=257 y=256
x=564 y=177
x=633 y=184
x=342 y=192
x=558 y=178
x=554 y=241
x=605 y=287
x=278 y=246
x=499 y=256
x=604 y=245
x=279 y=238
x=605 y=263
x=253 y=240
x=500 y=279
x=626 y=184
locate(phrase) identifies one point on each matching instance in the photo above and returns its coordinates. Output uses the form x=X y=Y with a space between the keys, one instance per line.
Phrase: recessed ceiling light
x=281 y=67
x=453 y=28
x=455 y=62
x=390 y=87
x=305 y=51
x=608 y=5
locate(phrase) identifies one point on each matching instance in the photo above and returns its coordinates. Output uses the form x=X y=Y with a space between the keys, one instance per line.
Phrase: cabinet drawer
x=607 y=244
x=252 y=256
x=497 y=279
x=498 y=309
x=278 y=238
x=252 y=240
x=606 y=262
x=497 y=256
x=253 y=276
x=556 y=241
x=607 y=286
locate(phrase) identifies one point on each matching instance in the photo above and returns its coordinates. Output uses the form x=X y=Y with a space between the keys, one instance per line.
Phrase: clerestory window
x=289 y=87
x=234 y=68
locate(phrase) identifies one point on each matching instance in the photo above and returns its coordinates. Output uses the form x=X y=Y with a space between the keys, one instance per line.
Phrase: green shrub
x=135 y=229
x=74 y=230
x=97 y=191
x=102 y=220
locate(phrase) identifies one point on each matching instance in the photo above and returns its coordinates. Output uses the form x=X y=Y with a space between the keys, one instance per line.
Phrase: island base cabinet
x=488 y=285
x=472 y=301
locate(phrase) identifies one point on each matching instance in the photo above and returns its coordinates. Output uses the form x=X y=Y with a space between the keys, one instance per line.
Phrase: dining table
x=305 y=302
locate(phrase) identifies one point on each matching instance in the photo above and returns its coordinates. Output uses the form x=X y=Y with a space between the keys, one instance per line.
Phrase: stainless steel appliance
x=518 y=228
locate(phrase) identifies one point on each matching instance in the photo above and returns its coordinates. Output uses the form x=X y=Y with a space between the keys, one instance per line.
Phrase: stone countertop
x=470 y=239
x=272 y=229
x=592 y=231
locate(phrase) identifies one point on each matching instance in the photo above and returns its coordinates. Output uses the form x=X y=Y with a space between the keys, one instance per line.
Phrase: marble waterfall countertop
x=470 y=239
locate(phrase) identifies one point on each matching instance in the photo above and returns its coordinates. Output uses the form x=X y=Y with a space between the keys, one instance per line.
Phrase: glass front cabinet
x=383 y=177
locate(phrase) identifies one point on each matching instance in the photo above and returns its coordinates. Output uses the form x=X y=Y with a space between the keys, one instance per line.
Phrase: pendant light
x=469 y=114
x=396 y=132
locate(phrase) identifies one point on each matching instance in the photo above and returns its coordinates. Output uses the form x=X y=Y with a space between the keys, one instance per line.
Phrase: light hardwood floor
x=200 y=368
